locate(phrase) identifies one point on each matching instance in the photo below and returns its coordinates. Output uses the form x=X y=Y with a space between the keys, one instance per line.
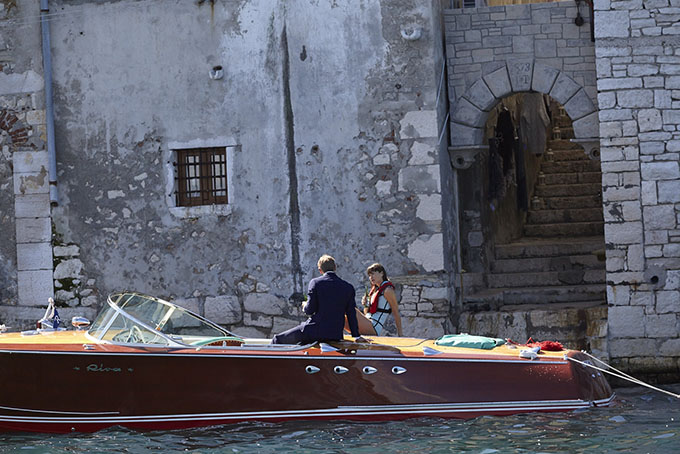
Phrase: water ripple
x=639 y=422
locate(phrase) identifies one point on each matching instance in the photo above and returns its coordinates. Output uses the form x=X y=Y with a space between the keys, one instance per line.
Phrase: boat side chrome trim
x=410 y=410
x=604 y=402
x=269 y=347
x=306 y=357
x=58 y=412
x=513 y=403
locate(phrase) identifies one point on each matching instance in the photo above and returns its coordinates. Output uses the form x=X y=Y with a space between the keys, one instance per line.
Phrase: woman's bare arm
x=391 y=297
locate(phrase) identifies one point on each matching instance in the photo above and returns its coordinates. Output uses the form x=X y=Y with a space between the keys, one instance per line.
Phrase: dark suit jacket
x=330 y=299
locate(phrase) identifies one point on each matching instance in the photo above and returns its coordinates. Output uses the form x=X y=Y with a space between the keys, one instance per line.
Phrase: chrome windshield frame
x=172 y=308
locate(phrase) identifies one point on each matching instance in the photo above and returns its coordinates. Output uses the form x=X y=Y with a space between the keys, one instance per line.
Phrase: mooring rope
x=620 y=374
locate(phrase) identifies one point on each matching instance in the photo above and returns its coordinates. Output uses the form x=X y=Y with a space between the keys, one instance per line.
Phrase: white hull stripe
x=82 y=413
x=477 y=408
x=604 y=402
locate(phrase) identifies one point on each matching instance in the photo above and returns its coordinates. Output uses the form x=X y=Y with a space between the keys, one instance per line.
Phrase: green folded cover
x=468 y=341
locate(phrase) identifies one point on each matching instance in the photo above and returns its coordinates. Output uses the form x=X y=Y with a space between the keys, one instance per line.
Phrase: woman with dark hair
x=379 y=303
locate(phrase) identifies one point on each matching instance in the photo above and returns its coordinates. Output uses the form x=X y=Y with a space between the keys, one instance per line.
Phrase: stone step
x=577 y=325
x=571 y=154
x=572 y=178
x=572 y=229
x=560 y=294
x=555 y=190
x=564 y=134
x=564 y=215
x=562 y=144
x=472 y=280
x=563 y=122
x=559 y=262
x=546 y=278
x=541 y=247
x=575 y=202
x=495 y=298
x=548 y=167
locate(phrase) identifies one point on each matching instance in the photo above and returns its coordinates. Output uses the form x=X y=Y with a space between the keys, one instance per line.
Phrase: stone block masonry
x=632 y=73
x=544 y=51
x=22 y=138
x=33 y=225
x=40 y=271
x=496 y=52
x=637 y=65
x=255 y=312
x=543 y=33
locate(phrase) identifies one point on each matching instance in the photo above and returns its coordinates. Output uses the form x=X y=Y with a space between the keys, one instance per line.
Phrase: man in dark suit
x=330 y=299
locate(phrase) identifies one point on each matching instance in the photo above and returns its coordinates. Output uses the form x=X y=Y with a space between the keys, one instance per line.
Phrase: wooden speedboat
x=145 y=363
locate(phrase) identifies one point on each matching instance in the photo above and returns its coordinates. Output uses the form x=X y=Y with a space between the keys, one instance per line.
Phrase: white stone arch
x=472 y=109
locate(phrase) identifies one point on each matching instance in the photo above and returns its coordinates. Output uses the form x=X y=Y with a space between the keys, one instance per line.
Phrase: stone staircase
x=540 y=271
x=550 y=283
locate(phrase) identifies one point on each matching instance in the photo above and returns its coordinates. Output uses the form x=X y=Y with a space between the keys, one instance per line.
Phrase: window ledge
x=202 y=210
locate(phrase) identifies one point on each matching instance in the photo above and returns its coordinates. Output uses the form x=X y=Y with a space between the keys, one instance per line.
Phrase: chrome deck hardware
x=312 y=369
x=340 y=370
x=430 y=351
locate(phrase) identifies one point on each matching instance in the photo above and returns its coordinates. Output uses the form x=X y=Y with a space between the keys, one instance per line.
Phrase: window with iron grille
x=201 y=176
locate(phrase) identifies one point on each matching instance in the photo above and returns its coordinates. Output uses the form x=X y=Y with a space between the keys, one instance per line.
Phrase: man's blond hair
x=326 y=263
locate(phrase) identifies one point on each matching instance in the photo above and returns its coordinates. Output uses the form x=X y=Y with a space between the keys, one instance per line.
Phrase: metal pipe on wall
x=49 y=105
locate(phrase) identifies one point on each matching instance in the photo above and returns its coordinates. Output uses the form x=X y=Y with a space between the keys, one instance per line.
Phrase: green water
x=641 y=421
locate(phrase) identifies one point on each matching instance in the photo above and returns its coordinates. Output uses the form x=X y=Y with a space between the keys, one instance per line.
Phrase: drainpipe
x=49 y=105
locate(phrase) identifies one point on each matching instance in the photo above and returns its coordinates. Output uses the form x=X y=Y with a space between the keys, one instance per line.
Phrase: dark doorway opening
x=532 y=227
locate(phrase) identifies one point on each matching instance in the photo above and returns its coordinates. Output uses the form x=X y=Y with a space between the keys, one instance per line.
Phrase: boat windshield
x=133 y=318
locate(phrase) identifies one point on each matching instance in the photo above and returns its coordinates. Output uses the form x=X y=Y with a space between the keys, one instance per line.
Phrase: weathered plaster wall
x=638 y=63
x=334 y=104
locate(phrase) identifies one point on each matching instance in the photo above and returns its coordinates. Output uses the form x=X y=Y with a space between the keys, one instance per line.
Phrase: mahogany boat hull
x=61 y=388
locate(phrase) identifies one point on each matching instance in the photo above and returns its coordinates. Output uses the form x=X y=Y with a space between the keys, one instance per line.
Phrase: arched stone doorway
x=472 y=109
x=548 y=281
x=493 y=53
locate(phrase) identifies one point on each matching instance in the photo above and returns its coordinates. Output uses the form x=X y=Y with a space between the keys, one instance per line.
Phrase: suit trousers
x=291 y=336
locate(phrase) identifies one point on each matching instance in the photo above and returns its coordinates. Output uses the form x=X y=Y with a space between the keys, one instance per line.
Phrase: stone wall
x=638 y=62
x=8 y=143
x=494 y=53
x=26 y=259
x=482 y=40
x=332 y=115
